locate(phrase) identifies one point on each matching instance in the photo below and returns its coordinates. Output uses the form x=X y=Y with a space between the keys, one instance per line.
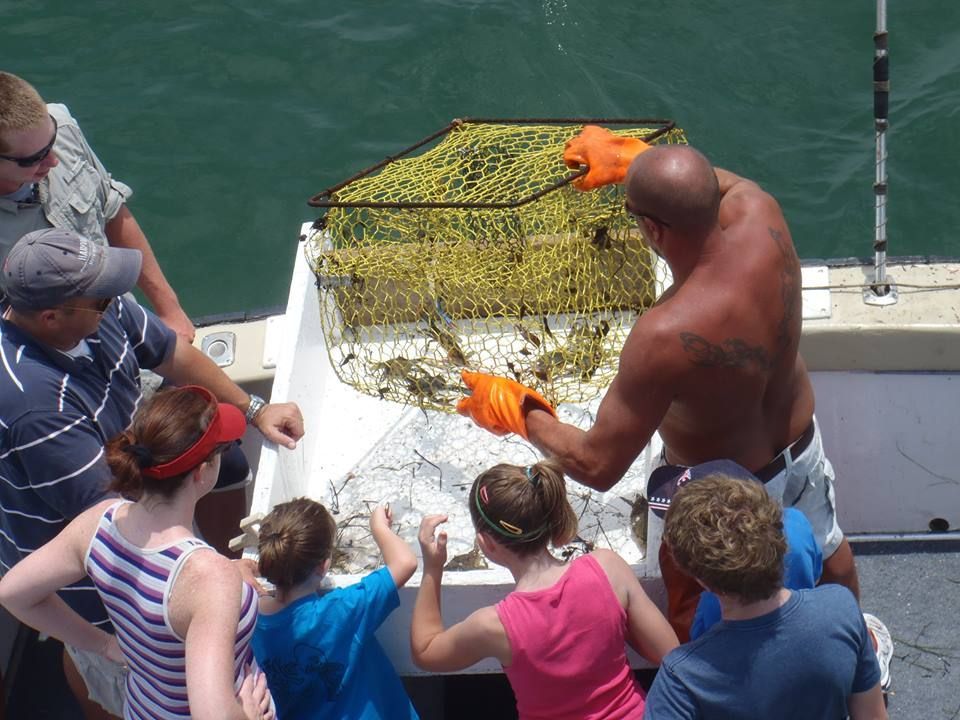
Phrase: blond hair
x=728 y=534
x=21 y=106
x=523 y=507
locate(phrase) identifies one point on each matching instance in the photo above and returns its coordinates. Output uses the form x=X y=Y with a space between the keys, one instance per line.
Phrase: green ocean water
x=226 y=116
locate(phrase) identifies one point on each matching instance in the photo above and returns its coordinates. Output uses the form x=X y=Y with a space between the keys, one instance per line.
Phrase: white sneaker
x=882 y=645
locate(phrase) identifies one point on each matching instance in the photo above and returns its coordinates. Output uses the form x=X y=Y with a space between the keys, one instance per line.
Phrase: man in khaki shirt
x=50 y=177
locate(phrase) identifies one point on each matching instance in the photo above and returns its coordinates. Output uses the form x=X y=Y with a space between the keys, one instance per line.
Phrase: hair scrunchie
x=141 y=453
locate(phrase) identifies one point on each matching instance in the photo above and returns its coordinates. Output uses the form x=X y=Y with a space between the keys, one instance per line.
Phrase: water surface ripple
x=226 y=116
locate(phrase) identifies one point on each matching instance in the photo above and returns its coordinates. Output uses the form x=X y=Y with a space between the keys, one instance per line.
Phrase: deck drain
x=220 y=347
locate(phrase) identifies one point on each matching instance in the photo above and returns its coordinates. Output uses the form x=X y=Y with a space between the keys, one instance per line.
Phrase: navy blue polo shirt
x=56 y=414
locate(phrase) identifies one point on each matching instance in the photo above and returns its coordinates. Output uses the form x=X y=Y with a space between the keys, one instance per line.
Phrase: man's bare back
x=714 y=366
x=732 y=328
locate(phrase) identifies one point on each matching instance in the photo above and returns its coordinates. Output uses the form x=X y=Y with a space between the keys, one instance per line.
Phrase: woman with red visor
x=182 y=615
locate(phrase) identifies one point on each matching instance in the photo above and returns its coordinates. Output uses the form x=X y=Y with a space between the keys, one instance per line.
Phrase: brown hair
x=523 y=508
x=21 y=106
x=295 y=538
x=165 y=426
x=728 y=534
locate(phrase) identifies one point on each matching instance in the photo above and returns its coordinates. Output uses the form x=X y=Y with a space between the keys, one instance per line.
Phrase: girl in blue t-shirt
x=317 y=646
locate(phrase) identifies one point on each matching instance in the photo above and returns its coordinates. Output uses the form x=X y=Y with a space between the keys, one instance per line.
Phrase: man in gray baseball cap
x=59 y=285
x=50 y=267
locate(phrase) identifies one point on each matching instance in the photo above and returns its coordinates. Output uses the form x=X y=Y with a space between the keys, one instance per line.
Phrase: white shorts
x=106 y=680
x=806 y=483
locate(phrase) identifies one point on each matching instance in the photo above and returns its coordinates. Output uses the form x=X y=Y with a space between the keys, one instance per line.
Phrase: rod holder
x=881 y=294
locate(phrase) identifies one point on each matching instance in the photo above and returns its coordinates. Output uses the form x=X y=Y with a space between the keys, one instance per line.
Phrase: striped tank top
x=134 y=584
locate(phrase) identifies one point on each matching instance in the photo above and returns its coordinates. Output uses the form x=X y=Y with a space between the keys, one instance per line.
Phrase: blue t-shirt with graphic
x=322 y=659
x=801 y=661
x=802 y=566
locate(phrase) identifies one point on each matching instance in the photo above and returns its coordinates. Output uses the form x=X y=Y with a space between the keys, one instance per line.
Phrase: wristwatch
x=257 y=404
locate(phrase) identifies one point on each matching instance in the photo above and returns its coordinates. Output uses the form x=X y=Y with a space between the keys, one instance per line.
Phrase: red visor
x=227 y=425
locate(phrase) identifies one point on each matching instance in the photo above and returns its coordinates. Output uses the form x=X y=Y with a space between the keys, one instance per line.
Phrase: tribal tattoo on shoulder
x=736 y=352
x=789 y=281
x=731 y=353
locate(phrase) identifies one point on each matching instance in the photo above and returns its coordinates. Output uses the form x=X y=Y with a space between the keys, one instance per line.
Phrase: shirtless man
x=714 y=366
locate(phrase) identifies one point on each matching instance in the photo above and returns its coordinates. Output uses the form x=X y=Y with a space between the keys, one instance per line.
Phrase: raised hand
x=607 y=155
x=381 y=517
x=433 y=544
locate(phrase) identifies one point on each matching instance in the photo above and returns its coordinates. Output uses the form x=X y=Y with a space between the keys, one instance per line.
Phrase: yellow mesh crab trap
x=472 y=250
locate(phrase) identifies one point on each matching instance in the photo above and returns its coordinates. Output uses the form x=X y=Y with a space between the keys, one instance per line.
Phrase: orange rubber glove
x=607 y=155
x=496 y=403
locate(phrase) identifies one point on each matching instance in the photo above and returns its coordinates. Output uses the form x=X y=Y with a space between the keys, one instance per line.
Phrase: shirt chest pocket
x=77 y=203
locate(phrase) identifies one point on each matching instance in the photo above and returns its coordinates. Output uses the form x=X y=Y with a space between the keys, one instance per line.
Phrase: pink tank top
x=567 y=643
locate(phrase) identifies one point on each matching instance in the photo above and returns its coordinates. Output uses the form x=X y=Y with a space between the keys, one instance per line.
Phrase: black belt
x=779 y=463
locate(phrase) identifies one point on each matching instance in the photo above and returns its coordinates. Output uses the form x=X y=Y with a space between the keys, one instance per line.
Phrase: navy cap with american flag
x=667 y=479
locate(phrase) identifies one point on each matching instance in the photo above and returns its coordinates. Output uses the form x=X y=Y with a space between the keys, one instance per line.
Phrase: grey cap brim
x=118 y=274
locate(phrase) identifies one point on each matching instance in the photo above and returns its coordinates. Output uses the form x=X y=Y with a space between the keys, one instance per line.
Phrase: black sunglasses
x=39 y=156
x=100 y=309
x=637 y=217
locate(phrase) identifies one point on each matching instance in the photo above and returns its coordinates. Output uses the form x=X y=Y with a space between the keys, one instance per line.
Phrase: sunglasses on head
x=39 y=156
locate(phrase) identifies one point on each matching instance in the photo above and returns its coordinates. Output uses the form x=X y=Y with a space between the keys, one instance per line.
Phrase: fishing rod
x=882 y=291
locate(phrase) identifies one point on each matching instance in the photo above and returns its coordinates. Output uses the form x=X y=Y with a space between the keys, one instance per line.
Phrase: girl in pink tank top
x=561 y=635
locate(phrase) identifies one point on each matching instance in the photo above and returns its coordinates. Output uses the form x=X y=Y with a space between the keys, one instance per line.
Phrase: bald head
x=676 y=184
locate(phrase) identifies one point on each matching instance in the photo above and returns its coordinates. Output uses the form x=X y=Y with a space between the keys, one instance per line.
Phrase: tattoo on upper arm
x=731 y=353
x=789 y=282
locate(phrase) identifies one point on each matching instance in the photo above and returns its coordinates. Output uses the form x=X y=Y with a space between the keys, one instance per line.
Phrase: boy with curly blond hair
x=777 y=652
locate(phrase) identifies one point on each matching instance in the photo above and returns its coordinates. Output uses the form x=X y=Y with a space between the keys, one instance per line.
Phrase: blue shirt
x=56 y=414
x=801 y=661
x=803 y=565
x=322 y=659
